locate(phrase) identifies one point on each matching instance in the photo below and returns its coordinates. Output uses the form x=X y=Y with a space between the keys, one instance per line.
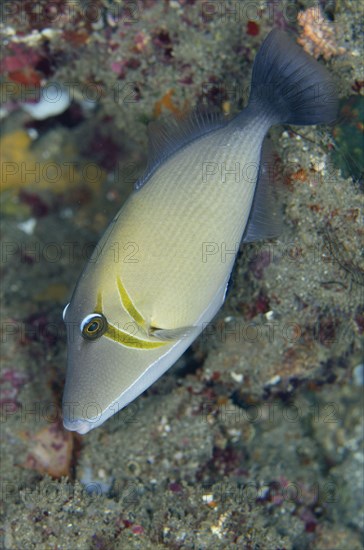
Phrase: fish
x=160 y=272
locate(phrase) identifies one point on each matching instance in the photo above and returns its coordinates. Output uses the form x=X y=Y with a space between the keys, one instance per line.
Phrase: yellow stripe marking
x=129 y=306
x=121 y=336
x=98 y=308
x=130 y=341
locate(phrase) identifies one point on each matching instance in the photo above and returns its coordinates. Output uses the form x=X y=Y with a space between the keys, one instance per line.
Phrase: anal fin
x=265 y=220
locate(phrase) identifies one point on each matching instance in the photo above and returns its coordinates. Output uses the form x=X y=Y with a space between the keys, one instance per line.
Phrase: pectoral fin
x=173 y=334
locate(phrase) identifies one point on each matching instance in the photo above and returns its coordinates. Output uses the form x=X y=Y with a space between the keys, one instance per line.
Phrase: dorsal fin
x=168 y=135
x=265 y=220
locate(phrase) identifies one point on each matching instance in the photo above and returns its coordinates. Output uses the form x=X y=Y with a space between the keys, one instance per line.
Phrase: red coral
x=252 y=28
x=21 y=65
x=19 y=57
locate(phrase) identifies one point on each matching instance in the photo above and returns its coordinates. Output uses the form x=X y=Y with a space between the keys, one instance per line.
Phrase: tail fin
x=290 y=85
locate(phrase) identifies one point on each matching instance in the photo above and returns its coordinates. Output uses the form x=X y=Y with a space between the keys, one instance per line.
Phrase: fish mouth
x=80 y=426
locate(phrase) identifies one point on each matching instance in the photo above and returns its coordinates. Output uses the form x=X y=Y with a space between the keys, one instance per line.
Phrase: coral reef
x=254 y=438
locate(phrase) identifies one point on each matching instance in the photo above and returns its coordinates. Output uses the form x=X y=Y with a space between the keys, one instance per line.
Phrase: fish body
x=160 y=272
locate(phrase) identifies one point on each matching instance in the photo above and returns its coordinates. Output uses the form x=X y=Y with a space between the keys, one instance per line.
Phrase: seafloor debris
x=50 y=451
x=11 y=382
x=318 y=35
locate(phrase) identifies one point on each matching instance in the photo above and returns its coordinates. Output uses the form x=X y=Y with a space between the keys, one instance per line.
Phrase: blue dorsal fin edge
x=265 y=219
x=166 y=136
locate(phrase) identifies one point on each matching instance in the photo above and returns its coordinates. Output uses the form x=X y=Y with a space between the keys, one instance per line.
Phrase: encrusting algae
x=23 y=166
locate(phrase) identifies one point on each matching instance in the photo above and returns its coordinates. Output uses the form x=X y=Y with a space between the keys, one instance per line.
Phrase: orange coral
x=300 y=175
x=318 y=35
x=167 y=103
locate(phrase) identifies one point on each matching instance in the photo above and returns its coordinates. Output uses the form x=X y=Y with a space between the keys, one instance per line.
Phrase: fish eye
x=93 y=326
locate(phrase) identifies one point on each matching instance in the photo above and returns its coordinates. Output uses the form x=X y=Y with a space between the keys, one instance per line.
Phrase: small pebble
x=358 y=375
